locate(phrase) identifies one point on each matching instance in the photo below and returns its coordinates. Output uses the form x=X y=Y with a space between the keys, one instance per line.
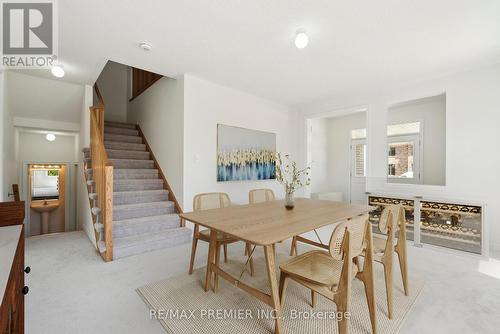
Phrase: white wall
x=160 y=113
x=2 y=141
x=33 y=147
x=83 y=214
x=113 y=85
x=8 y=172
x=330 y=144
x=472 y=118
x=40 y=98
x=431 y=112
x=205 y=105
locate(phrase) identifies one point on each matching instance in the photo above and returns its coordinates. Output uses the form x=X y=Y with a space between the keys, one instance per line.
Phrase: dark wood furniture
x=12 y=268
x=11 y=213
x=12 y=307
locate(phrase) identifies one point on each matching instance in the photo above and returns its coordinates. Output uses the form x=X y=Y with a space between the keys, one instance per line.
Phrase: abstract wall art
x=245 y=154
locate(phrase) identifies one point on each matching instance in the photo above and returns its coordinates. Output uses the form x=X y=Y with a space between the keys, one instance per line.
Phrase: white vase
x=289 y=201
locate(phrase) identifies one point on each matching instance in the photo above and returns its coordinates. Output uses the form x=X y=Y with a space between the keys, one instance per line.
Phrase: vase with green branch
x=291 y=177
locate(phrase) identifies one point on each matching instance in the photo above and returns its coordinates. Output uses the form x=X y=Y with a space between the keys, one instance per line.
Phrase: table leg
x=210 y=260
x=273 y=283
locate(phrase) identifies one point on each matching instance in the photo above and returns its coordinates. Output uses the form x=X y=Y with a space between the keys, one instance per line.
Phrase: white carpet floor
x=73 y=291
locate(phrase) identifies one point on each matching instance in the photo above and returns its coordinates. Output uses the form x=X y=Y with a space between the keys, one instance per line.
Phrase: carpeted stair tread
x=121 y=131
x=138 y=173
x=132 y=164
x=120 y=125
x=122 y=138
x=144 y=225
x=118 y=145
x=139 y=184
x=137 y=210
x=133 y=245
x=127 y=154
x=139 y=196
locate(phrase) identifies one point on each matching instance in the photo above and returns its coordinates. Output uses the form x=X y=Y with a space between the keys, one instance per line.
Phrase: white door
x=358 y=171
x=403 y=164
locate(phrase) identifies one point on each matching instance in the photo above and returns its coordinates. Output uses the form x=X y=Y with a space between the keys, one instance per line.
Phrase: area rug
x=182 y=306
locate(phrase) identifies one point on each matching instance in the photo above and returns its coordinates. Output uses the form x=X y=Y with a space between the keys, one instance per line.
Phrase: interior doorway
x=357 y=191
x=337 y=154
x=49 y=190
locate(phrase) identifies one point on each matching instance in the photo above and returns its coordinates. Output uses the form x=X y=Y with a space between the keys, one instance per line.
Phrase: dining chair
x=208 y=201
x=260 y=195
x=391 y=220
x=330 y=273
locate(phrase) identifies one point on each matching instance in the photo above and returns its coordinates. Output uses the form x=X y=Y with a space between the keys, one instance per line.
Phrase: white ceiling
x=354 y=45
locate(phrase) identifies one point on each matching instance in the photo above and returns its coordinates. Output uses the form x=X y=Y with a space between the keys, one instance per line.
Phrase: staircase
x=145 y=214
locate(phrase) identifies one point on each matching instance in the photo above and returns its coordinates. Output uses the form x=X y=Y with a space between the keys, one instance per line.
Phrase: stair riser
x=120 y=125
x=133 y=164
x=132 y=176
x=121 y=131
x=130 y=213
x=120 y=154
x=136 y=229
x=123 y=185
x=119 y=199
x=175 y=240
x=125 y=146
x=121 y=138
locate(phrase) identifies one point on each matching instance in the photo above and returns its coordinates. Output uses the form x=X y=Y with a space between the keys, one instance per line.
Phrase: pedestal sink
x=44 y=207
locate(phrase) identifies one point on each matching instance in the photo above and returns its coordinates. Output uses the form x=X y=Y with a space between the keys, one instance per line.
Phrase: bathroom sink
x=44 y=206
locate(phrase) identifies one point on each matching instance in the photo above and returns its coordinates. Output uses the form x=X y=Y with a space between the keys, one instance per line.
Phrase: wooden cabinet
x=12 y=308
x=12 y=257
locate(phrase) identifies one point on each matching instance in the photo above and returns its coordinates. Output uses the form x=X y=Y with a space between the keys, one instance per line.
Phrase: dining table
x=265 y=224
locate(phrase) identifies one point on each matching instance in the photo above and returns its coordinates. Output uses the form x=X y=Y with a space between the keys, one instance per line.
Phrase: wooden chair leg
x=313 y=299
x=388 y=286
x=217 y=263
x=342 y=309
x=248 y=250
x=369 y=283
x=225 y=253
x=282 y=287
x=293 y=248
x=193 y=254
x=403 y=265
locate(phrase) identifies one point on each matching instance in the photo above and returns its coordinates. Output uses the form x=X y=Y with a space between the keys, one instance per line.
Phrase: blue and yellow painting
x=244 y=154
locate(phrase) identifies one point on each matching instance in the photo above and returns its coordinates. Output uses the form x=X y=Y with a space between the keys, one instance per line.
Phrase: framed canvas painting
x=245 y=154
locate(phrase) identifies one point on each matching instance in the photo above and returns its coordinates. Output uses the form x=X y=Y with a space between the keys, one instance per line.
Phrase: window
x=360 y=160
x=358 y=133
x=401 y=159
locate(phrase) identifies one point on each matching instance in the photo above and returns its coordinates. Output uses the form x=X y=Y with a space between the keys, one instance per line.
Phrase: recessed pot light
x=301 y=39
x=50 y=137
x=145 y=46
x=57 y=71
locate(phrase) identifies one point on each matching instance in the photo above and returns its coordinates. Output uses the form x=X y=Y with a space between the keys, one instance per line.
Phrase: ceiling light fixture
x=50 y=137
x=301 y=39
x=145 y=46
x=57 y=71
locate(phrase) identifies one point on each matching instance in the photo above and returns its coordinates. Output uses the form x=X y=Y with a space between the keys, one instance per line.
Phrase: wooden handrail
x=100 y=100
x=102 y=172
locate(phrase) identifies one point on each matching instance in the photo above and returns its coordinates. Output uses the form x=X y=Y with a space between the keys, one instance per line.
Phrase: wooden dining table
x=265 y=224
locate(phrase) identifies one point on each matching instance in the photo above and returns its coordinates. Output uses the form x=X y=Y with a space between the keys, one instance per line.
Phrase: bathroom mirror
x=416 y=141
x=45 y=184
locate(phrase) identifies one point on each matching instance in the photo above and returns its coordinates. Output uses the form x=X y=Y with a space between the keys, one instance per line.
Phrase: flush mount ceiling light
x=50 y=137
x=145 y=46
x=57 y=71
x=301 y=39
